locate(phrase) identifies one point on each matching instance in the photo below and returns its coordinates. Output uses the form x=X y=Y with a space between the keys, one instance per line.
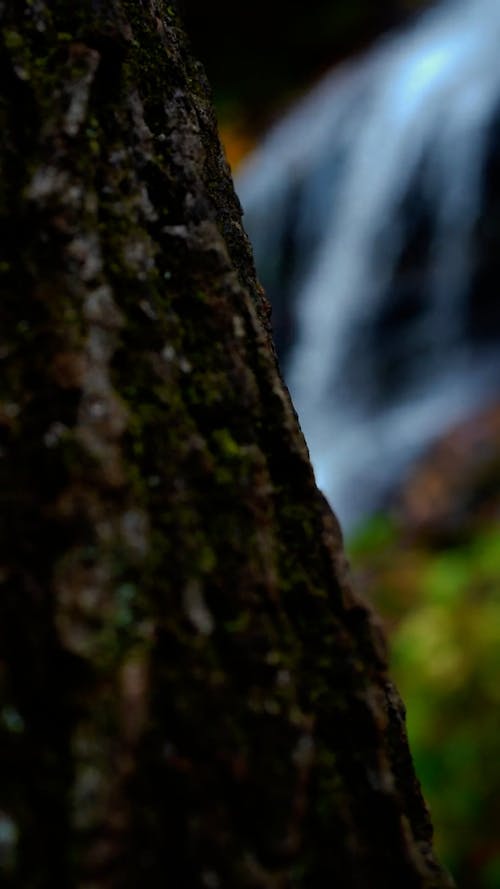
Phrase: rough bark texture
x=191 y=695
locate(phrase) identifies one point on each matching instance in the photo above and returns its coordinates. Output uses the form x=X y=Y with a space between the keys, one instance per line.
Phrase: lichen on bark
x=191 y=692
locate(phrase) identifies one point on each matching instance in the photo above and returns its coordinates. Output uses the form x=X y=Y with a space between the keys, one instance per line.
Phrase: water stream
x=366 y=209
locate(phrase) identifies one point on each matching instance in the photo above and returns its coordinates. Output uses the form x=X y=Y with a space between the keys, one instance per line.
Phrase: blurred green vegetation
x=441 y=604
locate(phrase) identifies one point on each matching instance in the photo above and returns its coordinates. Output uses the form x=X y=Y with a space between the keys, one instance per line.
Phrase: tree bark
x=191 y=694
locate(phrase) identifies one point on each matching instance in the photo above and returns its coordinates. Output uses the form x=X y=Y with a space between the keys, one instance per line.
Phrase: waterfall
x=365 y=206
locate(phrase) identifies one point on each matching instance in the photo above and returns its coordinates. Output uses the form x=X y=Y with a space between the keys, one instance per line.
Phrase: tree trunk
x=191 y=695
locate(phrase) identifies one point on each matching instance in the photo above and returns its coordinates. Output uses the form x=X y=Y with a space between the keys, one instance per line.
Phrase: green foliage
x=442 y=607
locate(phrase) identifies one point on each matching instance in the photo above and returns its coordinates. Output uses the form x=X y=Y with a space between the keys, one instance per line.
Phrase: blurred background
x=261 y=56
x=365 y=142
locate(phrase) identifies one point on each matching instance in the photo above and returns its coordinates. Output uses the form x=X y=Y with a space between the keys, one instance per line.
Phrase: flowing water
x=365 y=206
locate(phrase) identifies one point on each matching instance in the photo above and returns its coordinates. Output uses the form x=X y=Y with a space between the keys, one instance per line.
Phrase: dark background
x=258 y=56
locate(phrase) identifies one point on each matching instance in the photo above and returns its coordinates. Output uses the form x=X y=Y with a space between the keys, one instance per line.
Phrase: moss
x=226 y=444
x=13 y=40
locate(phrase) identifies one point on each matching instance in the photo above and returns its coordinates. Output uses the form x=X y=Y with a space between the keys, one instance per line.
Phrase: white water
x=416 y=109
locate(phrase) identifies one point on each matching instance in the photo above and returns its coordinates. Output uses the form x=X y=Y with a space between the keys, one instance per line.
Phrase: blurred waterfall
x=366 y=208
